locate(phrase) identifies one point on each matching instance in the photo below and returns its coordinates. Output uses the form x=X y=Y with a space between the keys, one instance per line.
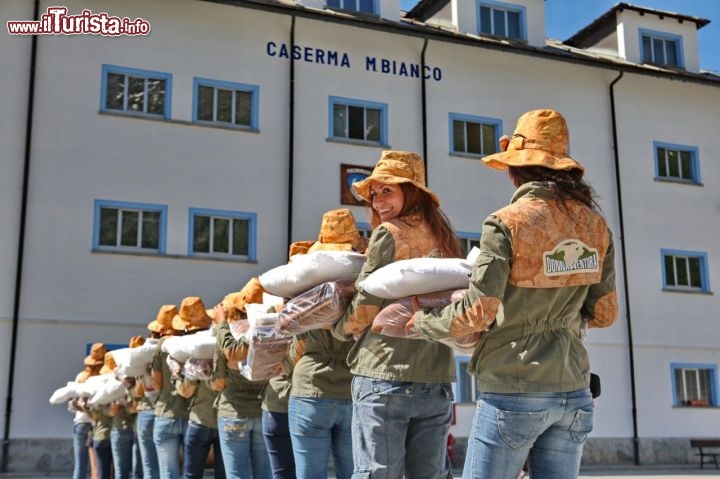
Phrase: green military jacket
x=544 y=267
x=168 y=403
x=384 y=357
x=322 y=370
x=240 y=397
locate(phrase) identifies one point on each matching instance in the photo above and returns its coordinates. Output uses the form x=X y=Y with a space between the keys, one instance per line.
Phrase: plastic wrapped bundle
x=197 y=369
x=266 y=347
x=391 y=320
x=321 y=306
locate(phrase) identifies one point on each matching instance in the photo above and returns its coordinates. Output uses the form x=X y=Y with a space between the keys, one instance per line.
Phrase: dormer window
x=362 y=6
x=501 y=19
x=661 y=48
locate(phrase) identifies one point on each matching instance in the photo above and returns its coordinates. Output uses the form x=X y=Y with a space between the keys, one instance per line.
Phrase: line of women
x=379 y=402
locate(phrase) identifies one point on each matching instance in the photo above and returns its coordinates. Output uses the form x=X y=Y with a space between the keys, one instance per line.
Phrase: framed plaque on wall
x=350 y=174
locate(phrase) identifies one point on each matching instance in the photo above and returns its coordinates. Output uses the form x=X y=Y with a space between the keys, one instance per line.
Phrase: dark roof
x=606 y=23
x=552 y=50
x=426 y=9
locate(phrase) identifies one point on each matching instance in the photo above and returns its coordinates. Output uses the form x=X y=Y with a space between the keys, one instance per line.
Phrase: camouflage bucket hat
x=163 y=321
x=192 y=315
x=251 y=293
x=541 y=138
x=96 y=356
x=339 y=232
x=395 y=167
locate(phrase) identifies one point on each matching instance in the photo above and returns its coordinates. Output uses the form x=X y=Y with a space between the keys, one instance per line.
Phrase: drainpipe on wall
x=424 y=108
x=21 y=244
x=291 y=136
x=636 y=448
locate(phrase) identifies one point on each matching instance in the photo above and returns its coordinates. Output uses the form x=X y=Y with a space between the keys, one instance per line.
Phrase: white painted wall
x=630 y=22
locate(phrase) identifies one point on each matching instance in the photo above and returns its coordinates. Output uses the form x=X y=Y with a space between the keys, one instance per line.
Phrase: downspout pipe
x=631 y=352
x=423 y=87
x=21 y=244
x=291 y=136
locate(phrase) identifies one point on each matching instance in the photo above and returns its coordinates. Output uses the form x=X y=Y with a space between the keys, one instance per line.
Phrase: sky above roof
x=564 y=18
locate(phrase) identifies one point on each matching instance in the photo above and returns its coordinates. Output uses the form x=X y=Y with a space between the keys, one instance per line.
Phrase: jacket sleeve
x=600 y=307
x=234 y=350
x=476 y=311
x=364 y=306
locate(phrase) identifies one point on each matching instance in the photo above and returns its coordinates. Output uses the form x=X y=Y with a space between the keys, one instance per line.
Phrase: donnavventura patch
x=570 y=257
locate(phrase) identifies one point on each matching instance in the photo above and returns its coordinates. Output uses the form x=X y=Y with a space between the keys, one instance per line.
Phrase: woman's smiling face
x=387 y=200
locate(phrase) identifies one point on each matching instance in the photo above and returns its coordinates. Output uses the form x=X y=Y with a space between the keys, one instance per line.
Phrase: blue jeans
x=81 y=434
x=549 y=429
x=318 y=426
x=168 y=436
x=137 y=465
x=199 y=440
x=121 y=442
x=144 y=427
x=276 y=432
x=103 y=451
x=401 y=428
x=243 y=448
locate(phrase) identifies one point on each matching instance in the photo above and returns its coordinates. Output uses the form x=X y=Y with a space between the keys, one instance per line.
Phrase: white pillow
x=200 y=345
x=409 y=277
x=133 y=361
x=305 y=271
x=110 y=391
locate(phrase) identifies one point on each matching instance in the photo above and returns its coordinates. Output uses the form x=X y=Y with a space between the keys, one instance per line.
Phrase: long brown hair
x=420 y=203
x=565 y=184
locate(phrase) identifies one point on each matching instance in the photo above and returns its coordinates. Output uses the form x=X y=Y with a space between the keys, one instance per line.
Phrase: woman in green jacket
x=546 y=267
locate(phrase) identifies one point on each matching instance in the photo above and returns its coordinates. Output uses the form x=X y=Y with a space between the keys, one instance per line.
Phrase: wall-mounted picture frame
x=350 y=174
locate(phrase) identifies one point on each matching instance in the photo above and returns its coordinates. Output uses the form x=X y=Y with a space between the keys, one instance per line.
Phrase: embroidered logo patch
x=570 y=257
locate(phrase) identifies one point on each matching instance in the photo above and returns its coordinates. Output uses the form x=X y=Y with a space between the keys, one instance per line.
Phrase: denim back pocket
x=582 y=425
x=519 y=429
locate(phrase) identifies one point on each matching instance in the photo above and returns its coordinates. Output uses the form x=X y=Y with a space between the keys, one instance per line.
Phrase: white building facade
x=183 y=162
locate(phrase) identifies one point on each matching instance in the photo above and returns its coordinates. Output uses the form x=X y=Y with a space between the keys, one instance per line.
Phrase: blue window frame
x=685 y=271
x=358 y=120
x=363 y=6
x=475 y=136
x=129 y=227
x=364 y=229
x=501 y=19
x=694 y=384
x=661 y=48
x=468 y=240
x=676 y=163
x=225 y=103
x=466 y=386
x=223 y=234
x=136 y=92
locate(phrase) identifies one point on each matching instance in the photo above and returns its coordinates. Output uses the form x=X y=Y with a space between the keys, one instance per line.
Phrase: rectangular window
x=228 y=234
x=136 y=92
x=685 y=271
x=132 y=227
x=358 y=120
x=661 y=48
x=363 y=6
x=501 y=19
x=225 y=103
x=694 y=385
x=676 y=163
x=468 y=240
x=466 y=386
x=474 y=135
